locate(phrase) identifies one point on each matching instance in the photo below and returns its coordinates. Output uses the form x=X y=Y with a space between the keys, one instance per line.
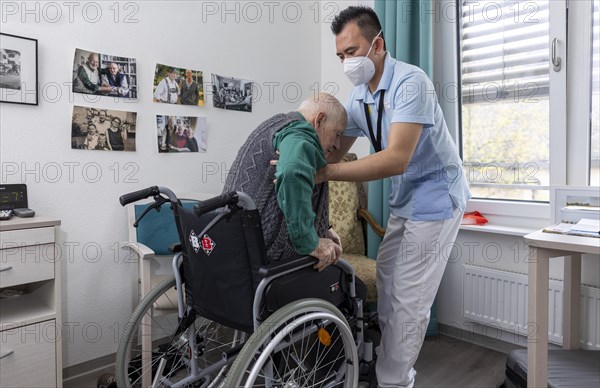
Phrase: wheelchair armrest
x=280 y=266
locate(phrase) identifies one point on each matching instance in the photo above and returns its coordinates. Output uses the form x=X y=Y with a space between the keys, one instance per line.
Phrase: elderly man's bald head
x=93 y=61
x=328 y=116
x=326 y=103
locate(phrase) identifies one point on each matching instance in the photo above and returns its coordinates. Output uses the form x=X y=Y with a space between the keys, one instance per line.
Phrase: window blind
x=505 y=50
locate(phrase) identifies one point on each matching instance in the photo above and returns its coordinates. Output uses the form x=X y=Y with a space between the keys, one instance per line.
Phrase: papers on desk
x=585 y=227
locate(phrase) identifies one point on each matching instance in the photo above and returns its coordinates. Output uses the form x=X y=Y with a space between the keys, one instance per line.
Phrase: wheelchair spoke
x=187 y=360
x=305 y=344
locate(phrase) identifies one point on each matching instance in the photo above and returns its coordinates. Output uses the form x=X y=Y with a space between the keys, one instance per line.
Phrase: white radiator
x=499 y=299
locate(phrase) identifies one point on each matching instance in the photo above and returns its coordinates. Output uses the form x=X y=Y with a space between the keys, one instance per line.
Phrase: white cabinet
x=30 y=309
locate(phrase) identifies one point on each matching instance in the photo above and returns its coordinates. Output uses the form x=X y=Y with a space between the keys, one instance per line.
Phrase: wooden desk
x=542 y=247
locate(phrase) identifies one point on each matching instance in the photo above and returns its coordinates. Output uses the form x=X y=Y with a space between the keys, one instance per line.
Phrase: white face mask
x=360 y=70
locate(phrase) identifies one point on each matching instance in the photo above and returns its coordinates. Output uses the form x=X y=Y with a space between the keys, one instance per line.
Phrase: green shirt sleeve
x=301 y=156
x=86 y=81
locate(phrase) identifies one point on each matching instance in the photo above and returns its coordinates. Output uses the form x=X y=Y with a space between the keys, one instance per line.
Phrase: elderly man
x=168 y=90
x=87 y=79
x=115 y=81
x=192 y=143
x=294 y=212
x=190 y=90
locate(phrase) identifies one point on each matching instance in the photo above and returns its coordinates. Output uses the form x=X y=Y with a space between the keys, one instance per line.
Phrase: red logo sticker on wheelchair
x=208 y=244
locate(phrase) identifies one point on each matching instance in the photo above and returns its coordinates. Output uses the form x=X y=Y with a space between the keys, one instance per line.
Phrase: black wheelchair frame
x=201 y=348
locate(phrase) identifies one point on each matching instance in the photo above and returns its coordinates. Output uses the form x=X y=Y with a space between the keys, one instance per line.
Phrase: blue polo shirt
x=433 y=182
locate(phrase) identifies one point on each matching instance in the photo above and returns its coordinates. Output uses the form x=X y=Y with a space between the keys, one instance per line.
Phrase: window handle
x=556 y=61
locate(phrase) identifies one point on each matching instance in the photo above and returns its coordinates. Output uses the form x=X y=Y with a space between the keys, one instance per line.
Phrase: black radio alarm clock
x=13 y=198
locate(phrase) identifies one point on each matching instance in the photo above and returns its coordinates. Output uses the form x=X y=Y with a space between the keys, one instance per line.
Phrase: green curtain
x=407 y=29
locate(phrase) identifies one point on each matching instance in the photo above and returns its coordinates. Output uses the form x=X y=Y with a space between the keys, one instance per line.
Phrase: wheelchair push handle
x=138 y=195
x=211 y=204
x=152 y=191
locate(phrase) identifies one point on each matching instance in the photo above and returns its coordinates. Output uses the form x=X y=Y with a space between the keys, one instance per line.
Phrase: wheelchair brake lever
x=158 y=202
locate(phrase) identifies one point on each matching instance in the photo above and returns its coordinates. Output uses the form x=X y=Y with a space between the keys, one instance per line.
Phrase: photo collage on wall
x=107 y=75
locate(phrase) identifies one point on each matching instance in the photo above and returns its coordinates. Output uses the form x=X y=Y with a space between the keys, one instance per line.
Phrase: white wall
x=279 y=49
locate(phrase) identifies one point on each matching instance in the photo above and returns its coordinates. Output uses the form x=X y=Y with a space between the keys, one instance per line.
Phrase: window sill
x=498 y=229
x=509 y=218
x=511 y=209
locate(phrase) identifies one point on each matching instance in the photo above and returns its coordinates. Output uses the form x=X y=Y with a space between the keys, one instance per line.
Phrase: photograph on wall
x=18 y=70
x=103 y=129
x=231 y=93
x=173 y=85
x=181 y=133
x=104 y=75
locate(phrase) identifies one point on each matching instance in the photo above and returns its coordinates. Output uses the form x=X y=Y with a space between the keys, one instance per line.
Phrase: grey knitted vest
x=252 y=174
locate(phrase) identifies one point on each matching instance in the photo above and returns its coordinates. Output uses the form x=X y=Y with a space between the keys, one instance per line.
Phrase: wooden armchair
x=349 y=217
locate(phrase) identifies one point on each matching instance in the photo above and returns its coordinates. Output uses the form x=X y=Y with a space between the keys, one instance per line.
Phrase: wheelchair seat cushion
x=331 y=285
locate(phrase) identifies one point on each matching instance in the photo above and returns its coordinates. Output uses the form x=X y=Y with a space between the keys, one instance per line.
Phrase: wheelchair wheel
x=171 y=352
x=306 y=343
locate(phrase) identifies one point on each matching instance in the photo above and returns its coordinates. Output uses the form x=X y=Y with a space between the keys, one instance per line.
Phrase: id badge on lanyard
x=376 y=141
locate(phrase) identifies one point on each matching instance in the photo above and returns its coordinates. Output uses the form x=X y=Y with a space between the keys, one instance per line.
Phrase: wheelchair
x=241 y=322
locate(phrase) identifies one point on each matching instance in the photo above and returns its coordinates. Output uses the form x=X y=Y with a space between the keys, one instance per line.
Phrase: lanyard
x=376 y=141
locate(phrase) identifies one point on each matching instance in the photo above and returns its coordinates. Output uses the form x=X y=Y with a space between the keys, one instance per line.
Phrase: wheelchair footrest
x=367 y=374
x=371 y=321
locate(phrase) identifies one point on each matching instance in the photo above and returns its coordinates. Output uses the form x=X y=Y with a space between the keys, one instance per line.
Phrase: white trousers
x=410 y=264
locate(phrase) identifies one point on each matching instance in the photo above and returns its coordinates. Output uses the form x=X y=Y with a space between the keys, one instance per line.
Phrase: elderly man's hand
x=333 y=236
x=328 y=252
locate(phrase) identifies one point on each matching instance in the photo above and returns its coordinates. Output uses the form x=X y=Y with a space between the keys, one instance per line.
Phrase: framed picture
x=18 y=70
x=569 y=204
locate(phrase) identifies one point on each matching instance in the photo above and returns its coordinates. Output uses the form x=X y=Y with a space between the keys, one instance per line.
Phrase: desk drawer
x=28 y=356
x=26 y=264
x=17 y=238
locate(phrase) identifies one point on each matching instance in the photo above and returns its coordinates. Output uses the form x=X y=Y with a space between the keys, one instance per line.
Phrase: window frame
x=557 y=95
x=579 y=91
x=569 y=133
